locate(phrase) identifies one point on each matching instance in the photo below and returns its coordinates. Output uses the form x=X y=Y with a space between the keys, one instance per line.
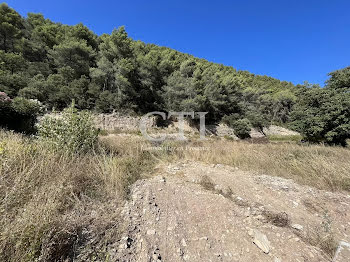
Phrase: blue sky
x=291 y=40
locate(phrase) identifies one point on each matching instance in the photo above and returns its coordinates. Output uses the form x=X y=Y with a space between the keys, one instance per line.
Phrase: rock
x=251 y=232
x=261 y=241
x=285 y=188
x=343 y=252
x=260 y=217
x=151 y=232
x=183 y=243
x=218 y=188
x=186 y=257
x=297 y=227
x=277 y=259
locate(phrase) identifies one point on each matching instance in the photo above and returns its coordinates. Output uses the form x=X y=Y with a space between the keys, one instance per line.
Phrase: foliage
x=241 y=127
x=19 y=114
x=48 y=199
x=55 y=64
x=323 y=115
x=339 y=79
x=73 y=131
x=26 y=107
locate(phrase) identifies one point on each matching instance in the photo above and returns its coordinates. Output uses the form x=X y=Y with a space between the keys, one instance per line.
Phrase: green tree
x=115 y=70
x=323 y=115
x=75 y=54
x=241 y=126
x=339 y=79
x=11 y=25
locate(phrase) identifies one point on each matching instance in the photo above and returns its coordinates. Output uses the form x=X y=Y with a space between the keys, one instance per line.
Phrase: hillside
x=218 y=200
x=84 y=177
x=56 y=63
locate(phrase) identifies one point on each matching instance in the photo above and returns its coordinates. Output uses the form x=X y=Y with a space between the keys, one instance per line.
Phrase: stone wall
x=220 y=130
x=223 y=130
x=115 y=121
x=119 y=122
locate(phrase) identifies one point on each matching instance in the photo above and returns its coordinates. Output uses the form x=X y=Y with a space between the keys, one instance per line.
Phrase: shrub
x=241 y=127
x=230 y=119
x=26 y=107
x=73 y=131
x=31 y=93
x=19 y=114
x=323 y=115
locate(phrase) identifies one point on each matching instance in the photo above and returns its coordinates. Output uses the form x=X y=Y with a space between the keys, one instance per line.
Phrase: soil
x=198 y=212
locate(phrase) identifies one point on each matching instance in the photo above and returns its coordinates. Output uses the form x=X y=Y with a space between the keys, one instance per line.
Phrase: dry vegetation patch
x=323 y=167
x=56 y=206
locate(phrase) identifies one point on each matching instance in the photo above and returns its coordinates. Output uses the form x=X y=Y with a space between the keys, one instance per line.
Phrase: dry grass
x=278 y=219
x=319 y=166
x=321 y=236
x=55 y=207
x=207 y=183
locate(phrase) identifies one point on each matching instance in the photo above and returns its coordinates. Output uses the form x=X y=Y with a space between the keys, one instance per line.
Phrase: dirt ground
x=197 y=212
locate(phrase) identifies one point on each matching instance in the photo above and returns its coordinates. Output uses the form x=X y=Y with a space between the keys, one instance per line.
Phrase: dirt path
x=198 y=212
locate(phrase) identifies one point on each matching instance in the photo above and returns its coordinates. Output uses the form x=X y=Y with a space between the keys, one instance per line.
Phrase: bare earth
x=245 y=217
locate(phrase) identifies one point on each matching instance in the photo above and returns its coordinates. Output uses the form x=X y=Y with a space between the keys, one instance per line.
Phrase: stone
x=297 y=227
x=261 y=241
x=343 y=252
x=251 y=232
x=151 y=232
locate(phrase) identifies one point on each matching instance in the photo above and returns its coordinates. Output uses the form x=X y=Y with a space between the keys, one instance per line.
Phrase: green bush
x=241 y=127
x=323 y=115
x=73 y=131
x=26 y=107
x=19 y=114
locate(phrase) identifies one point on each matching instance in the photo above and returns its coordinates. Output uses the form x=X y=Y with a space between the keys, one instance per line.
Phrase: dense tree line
x=55 y=64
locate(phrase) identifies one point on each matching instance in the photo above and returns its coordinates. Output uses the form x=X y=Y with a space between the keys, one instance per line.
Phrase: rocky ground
x=198 y=212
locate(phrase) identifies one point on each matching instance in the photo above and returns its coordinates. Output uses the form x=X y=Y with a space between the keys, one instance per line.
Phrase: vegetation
x=55 y=64
x=19 y=113
x=61 y=190
x=72 y=131
x=318 y=166
x=75 y=212
x=55 y=206
x=323 y=114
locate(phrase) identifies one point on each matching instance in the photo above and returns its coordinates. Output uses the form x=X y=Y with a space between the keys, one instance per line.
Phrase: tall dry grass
x=58 y=207
x=323 y=167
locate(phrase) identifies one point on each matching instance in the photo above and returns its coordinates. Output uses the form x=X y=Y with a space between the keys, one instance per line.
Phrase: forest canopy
x=53 y=64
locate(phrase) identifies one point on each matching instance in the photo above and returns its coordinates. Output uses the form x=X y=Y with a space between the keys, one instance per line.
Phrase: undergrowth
x=57 y=206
